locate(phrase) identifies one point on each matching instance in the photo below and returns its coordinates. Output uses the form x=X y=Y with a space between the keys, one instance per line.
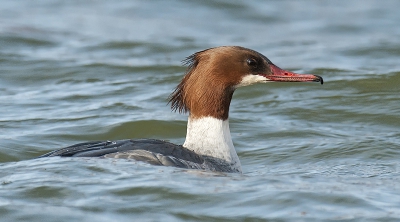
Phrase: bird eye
x=252 y=62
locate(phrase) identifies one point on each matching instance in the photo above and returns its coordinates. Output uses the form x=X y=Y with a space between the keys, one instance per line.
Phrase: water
x=75 y=71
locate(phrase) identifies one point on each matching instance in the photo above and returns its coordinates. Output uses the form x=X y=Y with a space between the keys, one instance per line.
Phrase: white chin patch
x=251 y=79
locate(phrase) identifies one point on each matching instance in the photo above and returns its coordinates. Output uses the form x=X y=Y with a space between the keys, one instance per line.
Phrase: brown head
x=214 y=74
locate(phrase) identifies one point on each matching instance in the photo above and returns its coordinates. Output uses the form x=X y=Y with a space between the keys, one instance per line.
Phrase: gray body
x=156 y=152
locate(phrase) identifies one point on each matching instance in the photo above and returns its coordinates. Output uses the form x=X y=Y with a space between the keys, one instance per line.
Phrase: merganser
x=205 y=92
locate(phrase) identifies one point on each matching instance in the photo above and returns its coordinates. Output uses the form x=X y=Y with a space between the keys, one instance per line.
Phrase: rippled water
x=75 y=71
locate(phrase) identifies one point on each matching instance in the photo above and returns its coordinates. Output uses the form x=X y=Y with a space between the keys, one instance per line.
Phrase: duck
x=205 y=92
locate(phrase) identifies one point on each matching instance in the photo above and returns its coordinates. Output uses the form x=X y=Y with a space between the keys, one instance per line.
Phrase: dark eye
x=252 y=62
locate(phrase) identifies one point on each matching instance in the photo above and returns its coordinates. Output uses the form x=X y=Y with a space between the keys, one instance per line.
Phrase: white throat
x=211 y=137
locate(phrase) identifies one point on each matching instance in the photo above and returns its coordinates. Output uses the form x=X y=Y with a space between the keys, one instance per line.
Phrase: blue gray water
x=75 y=71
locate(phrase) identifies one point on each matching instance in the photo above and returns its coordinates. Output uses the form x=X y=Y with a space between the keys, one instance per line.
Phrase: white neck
x=210 y=136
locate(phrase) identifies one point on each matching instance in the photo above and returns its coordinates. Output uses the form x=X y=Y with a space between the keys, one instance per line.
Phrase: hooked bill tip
x=319 y=79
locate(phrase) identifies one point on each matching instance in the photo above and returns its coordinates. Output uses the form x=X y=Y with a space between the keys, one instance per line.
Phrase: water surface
x=75 y=71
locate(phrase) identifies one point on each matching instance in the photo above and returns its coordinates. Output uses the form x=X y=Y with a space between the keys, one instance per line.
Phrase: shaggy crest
x=177 y=96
